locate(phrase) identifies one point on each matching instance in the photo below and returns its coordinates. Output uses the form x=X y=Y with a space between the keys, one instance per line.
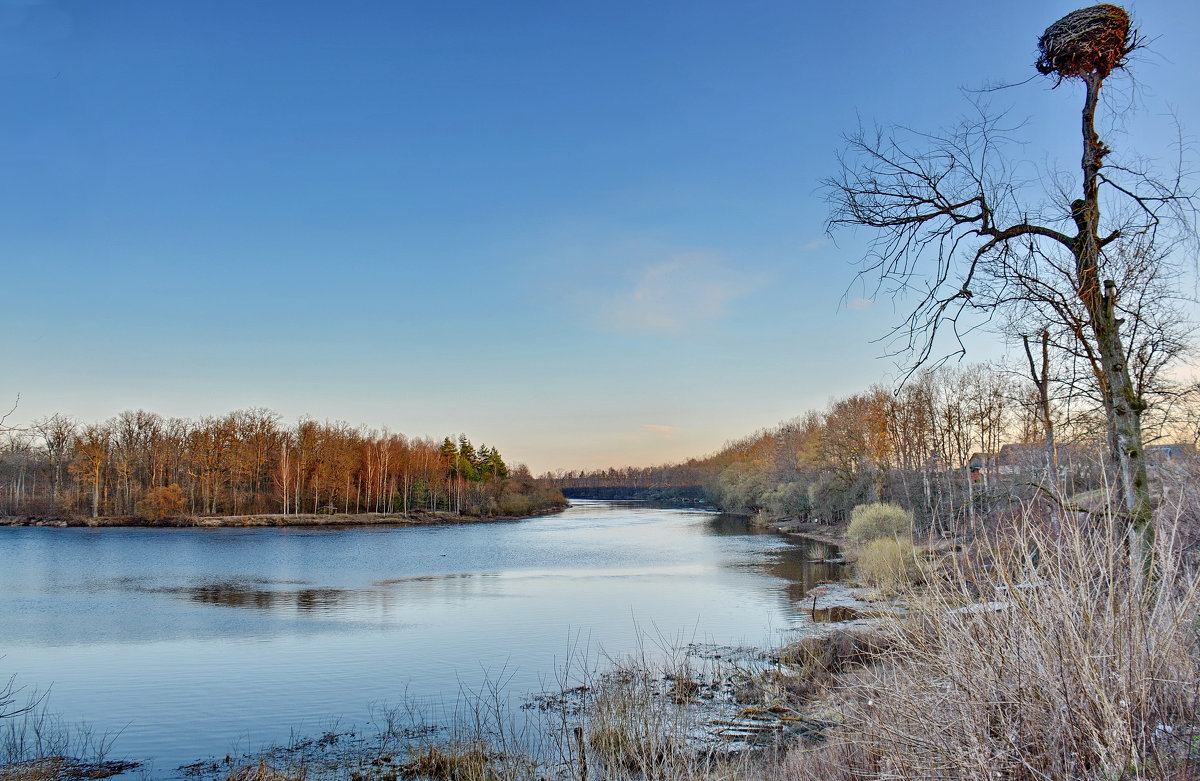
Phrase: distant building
x=1023 y=457
x=980 y=465
x=1162 y=455
x=1027 y=458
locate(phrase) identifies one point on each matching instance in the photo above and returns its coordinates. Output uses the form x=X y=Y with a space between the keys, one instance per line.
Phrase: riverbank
x=820 y=532
x=831 y=535
x=415 y=518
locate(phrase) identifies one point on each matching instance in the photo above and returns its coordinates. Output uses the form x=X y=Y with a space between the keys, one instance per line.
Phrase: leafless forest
x=140 y=464
x=953 y=444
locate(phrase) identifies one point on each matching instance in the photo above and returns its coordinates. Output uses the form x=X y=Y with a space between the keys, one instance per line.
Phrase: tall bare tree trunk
x=1122 y=405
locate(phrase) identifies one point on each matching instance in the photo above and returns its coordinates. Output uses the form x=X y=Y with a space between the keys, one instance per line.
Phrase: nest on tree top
x=1090 y=40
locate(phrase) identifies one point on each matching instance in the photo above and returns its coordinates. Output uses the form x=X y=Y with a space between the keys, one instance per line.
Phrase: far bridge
x=682 y=494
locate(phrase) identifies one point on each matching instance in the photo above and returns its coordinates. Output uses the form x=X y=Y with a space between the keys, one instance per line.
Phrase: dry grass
x=818 y=659
x=1074 y=666
x=36 y=745
x=684 y=689
x=646 y=720
x=262 y=771
x=630 y=726
x=462 y=762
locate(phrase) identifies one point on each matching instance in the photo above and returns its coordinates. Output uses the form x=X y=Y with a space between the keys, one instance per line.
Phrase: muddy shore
x=832 y=535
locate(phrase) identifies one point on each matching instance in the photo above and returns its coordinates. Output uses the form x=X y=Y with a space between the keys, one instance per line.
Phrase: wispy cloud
x=661 y=431
x=859 y=304
x=676 y=295
x=814 y=244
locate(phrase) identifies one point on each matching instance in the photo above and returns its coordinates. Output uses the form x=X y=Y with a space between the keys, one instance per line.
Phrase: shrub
x=513 y=503
x=163 y=502
x=887 y=563
x=741 y=486
x=878 y=520
x=787 y=499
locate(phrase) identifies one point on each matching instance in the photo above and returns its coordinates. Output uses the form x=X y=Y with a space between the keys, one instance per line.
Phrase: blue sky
x=588 y=233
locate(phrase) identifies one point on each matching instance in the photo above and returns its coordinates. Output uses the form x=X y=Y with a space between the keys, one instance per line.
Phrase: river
x=200 y=642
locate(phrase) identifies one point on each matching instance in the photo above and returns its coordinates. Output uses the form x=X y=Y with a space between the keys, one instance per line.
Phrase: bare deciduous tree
x=962 y=232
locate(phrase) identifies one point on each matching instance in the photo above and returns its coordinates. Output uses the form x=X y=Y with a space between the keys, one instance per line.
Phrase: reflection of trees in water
x=255 y=594
x=801 y=574
x=232 y=594
x=726 y=525
x=802 y=565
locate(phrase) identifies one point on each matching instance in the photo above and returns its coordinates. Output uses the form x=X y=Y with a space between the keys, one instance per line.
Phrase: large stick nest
x=1090 y=40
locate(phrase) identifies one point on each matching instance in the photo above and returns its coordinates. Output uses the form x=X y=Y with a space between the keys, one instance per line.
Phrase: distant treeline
x=140 y=464
x=950 y=444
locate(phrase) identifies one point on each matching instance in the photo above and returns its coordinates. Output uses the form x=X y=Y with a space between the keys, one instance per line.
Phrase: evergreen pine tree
x=450 y=454
x=467 y=458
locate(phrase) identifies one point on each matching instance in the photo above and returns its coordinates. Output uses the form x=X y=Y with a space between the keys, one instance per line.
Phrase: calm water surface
x=196 y=642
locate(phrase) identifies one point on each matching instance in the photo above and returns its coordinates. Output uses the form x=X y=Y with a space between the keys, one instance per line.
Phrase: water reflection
x=801 y=575
x=724 y=524
x=232 y=594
